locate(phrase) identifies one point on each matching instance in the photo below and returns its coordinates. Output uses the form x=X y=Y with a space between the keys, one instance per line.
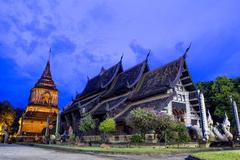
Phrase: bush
x=141 y=119
x=107 y=126
x=147 y=121
x=87 y=123
x=171 y=130
x=183 y=136
x=136 y=138
x=177 y=133
x=71 y=139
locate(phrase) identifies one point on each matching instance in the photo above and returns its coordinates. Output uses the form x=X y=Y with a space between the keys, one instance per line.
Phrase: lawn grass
x=132 y=149
x=219 y=155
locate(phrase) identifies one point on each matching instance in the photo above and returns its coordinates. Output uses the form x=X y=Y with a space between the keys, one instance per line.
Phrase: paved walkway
x=19 y=152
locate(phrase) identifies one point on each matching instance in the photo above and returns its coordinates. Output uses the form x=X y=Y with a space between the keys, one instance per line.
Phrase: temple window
x=83 y=110
x=183 y=98
x=175 y=98
x=181 y=88
x=179 y=97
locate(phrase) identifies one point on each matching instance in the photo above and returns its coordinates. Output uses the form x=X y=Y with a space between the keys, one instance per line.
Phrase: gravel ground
x=19 y=152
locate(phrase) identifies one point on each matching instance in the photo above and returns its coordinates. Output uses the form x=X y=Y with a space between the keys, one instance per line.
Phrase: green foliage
x=136 y=138
x=217 y=95
x=163 y=122
x=182 y=132
x=7 y=115
x=226 y=155
x=87 y=123
x=177 y=133
x=107 y=126
x=135 y=149
x=146 y=121
x=141 y=119
x=72 y=137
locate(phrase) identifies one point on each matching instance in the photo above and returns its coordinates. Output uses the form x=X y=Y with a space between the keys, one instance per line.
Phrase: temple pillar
x=188 y=111
x=58 y=123
x=67 y=120
x=236 y=116
x=203 y=114
x=169 y=108
x=47 y=127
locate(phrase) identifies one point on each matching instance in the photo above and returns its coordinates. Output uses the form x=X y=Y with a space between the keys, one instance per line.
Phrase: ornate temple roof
x=160 y=79
x=38 y=115
x=115 y=90
x=155 y=104
x=110 y=104
x=128 y=79
x=46 y=80
x=101 y=81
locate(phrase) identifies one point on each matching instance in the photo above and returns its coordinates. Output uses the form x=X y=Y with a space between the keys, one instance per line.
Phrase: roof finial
x=122 y=57
x=50 y=52
x=102 y=70
x=186 y=51
x=148 y=54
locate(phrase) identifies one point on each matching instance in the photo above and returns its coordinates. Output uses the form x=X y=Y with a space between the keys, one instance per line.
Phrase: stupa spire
x=46 y=80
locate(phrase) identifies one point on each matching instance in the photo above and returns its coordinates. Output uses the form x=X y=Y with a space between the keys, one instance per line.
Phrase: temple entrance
x=179 y=111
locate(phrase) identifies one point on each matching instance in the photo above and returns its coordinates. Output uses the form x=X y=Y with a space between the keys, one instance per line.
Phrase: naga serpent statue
x=218 y=132
x=207 y=131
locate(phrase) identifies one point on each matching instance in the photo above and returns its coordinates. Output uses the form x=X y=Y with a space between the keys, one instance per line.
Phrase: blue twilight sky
x=87 y=34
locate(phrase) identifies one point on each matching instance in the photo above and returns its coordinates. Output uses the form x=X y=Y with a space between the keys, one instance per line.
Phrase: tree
x=17 y=121
x=217 y=95
x=165 y=126
x=142 y=120
x=176 y=132
x=146 y=120
x=182 y=132
x=107 y=126
x=206 y=88
x=7 y=115
x=162 y=122
x=222 y=88
x=87 y=123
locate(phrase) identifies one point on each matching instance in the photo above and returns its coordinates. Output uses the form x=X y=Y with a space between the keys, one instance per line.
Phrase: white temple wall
x=182 y=96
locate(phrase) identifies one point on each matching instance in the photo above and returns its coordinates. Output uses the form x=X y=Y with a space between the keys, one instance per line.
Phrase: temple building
x=114 y=92
x=42 y=105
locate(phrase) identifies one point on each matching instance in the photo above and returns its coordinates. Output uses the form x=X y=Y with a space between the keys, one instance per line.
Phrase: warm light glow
x=41 y=100
x=44 y=96
x=42 y=109
x=33 y=126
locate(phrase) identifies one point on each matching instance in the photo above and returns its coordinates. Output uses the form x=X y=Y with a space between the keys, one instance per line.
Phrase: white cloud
x=103 y=30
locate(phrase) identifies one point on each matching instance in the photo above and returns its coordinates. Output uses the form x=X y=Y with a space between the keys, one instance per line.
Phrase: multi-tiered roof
x=115 y=91
x=46 y=80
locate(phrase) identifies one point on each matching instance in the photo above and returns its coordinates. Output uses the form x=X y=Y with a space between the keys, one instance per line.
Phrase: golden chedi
x=42 y=105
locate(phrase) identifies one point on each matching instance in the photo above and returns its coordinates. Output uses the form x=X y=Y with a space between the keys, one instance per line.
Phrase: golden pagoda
x=42 y=105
